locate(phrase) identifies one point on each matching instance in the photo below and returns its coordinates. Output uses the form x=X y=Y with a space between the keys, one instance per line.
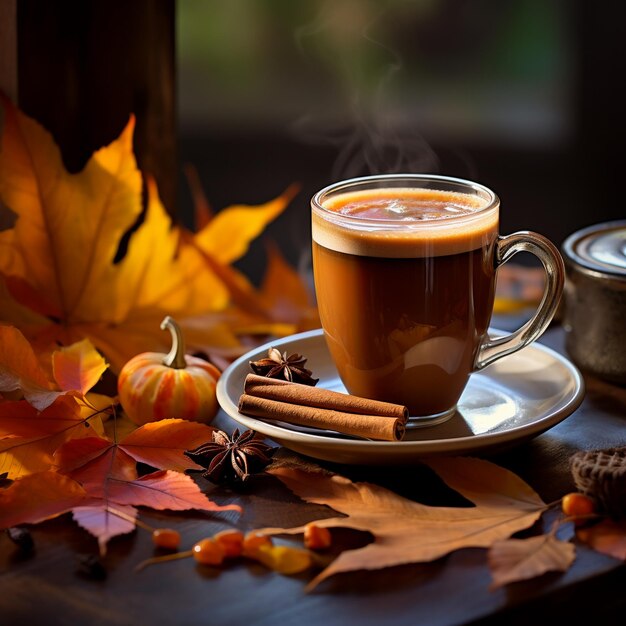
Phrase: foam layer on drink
x=404 y=223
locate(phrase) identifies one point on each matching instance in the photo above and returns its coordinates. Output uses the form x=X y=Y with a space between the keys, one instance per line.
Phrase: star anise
x=291 y=368
x=228 y=459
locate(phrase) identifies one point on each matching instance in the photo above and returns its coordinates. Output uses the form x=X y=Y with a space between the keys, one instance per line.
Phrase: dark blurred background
x=525 y=96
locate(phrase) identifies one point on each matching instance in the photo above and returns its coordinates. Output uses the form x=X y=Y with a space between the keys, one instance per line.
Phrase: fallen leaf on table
x=406 y=531
x=104 y=523
x=110 y=491
x=607 y=536
x=35 y=498
x=98 y=481
x=513 y=560
x=74 y=369
x=52 y=411
x=159 y=444
x=29 y=438
x=163 y=444
x=108 y=473
x=161 y=490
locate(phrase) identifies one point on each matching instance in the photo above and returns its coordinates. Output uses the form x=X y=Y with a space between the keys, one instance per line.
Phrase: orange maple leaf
x=38 y=497
x=159 y=444
x=29 y=437
x=74 y=370
x=43 y=411
x=63 y=276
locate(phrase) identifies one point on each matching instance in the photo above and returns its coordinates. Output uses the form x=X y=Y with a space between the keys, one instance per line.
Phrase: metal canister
x=595 y=299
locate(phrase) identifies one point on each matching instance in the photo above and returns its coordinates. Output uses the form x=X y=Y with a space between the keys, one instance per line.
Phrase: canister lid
x=600 y=248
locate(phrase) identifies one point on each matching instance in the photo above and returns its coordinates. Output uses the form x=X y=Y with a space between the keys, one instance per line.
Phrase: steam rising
x=370 y=136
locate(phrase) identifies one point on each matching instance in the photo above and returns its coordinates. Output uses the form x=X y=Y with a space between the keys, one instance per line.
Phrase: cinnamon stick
x=295 y=393
x=367 y=426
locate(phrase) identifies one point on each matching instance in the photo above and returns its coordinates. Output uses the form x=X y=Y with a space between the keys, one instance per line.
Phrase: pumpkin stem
x=176 y=356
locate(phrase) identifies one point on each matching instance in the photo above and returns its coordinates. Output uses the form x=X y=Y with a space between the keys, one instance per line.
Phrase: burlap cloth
x=601 y=474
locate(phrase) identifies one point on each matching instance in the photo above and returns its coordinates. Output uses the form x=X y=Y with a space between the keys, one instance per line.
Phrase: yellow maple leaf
x=64 y=273
x=227 y=235
x=284 y=303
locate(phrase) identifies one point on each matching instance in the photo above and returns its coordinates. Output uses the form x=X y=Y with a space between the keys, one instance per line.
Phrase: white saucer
x=514 y=399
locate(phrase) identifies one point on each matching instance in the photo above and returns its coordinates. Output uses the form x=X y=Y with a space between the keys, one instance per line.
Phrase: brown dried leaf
x=519 y=559
x=409 y=532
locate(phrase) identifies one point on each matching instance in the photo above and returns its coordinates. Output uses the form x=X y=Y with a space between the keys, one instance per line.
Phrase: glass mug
x=405 y=271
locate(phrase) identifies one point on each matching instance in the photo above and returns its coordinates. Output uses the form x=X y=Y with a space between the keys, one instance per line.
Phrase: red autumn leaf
x=75 y=454
x=108 y=473
x=31 y=437
x=38 y=497
x=97 y=475
x=164 y=490
x=20 y=419
x=159 y=444
x=112 y=476
x=607 y=536
x=105 y=523
x=114 y=513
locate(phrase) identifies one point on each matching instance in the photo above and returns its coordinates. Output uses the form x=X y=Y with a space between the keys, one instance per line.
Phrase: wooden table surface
x=48 y=588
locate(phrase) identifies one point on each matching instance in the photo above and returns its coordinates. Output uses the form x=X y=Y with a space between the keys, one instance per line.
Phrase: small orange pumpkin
x=154 y=386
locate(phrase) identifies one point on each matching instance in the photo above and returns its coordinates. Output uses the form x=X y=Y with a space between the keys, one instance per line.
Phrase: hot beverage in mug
x=405 y=270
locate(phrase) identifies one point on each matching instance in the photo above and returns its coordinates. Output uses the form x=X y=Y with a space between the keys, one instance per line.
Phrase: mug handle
x=492 y=349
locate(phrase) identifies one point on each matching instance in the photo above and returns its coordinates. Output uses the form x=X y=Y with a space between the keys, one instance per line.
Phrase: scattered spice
x=230 y=544
x=279 y=400
x=291 y=368
x=21 y=538
x=90 y=566
x=228 y=459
